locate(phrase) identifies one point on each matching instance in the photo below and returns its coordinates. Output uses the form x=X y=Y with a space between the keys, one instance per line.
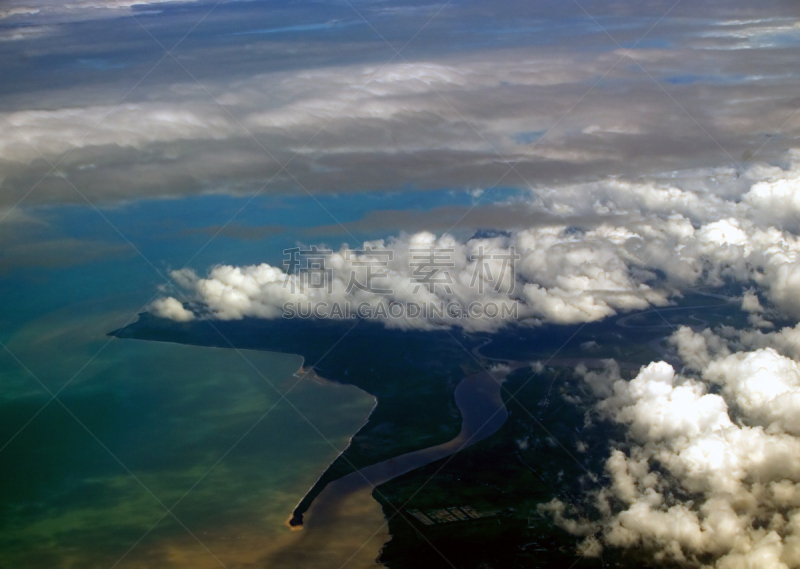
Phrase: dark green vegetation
x=504 y=479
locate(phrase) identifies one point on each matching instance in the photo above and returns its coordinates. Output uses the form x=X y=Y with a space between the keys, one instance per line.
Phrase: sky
x=622 y=153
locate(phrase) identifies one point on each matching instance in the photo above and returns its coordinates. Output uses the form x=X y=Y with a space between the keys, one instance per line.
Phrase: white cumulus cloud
x=170 y=308
x=649 y=242
x=706 y=478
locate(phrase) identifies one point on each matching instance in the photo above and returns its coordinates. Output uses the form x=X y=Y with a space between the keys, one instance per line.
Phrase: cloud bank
x=648 y=242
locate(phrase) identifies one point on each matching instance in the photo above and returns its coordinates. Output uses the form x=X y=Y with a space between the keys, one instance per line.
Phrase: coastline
x=298 y=525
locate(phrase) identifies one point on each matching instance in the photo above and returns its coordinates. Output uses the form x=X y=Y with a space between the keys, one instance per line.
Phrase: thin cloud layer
x=459 y=106
x=74 y=10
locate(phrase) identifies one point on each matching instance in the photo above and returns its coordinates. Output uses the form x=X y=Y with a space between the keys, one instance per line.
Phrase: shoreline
x=292 y=522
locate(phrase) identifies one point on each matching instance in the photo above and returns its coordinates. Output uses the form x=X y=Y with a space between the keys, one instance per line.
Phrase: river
x=483 y=412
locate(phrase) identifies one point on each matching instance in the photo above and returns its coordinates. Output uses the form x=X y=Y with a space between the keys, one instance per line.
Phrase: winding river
x=482 y=414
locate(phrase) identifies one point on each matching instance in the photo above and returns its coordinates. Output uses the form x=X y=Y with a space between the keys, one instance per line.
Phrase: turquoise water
x=142 y=427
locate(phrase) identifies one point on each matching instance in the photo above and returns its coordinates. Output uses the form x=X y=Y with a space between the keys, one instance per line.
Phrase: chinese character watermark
x=370 y=270
x=482 y=271
x=427 y=269
x=309 y=267
x=375 y=264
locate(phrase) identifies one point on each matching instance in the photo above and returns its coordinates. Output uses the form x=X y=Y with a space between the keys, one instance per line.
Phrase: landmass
x=471 y=432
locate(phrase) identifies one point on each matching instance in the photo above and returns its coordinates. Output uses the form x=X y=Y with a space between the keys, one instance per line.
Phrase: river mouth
x=483 y=413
